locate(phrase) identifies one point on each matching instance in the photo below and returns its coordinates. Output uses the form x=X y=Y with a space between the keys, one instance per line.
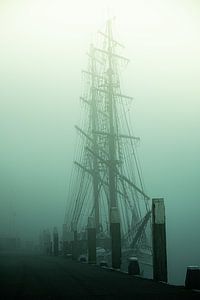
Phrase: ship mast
x=94 y=117
x=111 y=136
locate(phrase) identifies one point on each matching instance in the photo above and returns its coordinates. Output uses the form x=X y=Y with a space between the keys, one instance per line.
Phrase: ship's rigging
x=106 y=170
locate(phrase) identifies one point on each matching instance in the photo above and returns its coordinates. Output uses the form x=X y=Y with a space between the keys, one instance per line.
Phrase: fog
x=43 y=47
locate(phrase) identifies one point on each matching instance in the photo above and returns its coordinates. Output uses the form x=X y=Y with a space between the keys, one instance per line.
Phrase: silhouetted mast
x=94 y=117
x=111 y=135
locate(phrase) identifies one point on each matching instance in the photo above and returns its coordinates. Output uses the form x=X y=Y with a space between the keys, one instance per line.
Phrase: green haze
x=42 y=51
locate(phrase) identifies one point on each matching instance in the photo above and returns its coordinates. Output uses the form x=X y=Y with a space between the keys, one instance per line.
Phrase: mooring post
x=75 y=246
x=159 y=240
x=115 y=238
x=91 y=236
x=55 y=242
x=133 y=266
x=192 y=280
x=47 y=242
x=64 y=238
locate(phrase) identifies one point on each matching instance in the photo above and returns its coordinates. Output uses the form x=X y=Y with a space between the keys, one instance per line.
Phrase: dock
x=29 y=276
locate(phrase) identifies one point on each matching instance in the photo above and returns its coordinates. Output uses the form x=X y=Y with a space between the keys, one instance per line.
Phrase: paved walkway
x=40 y=277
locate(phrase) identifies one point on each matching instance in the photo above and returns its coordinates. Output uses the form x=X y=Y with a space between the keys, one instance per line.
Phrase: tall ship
x=106 y=176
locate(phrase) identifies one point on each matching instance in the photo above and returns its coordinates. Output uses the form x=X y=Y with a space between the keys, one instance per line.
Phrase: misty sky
x=43 y=45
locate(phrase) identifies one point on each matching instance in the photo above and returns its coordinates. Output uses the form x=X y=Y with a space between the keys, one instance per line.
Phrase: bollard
x=103 y=263
x=82 y=259
x=75 y=246
x=133 y=267
x=47 y=243
x=55 y=242
x=192 y=280
x=51 y=248
x=115 y=238
x=65 y=248
x=91 y=231
x=159 y=240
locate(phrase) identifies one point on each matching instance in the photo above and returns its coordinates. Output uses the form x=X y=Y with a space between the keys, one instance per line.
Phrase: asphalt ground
x=28 y=276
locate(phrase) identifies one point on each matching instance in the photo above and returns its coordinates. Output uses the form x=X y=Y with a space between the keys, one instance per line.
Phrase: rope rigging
x=106 y=153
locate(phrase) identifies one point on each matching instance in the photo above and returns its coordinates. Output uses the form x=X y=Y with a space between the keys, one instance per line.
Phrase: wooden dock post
x=159 y=240
x=115 y=238
x=91 y=236
x=75 y=246
x=55 y=242
x=68 y=238
x=192 y=280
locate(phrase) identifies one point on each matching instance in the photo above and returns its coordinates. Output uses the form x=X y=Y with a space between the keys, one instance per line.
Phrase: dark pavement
x=40 y=277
